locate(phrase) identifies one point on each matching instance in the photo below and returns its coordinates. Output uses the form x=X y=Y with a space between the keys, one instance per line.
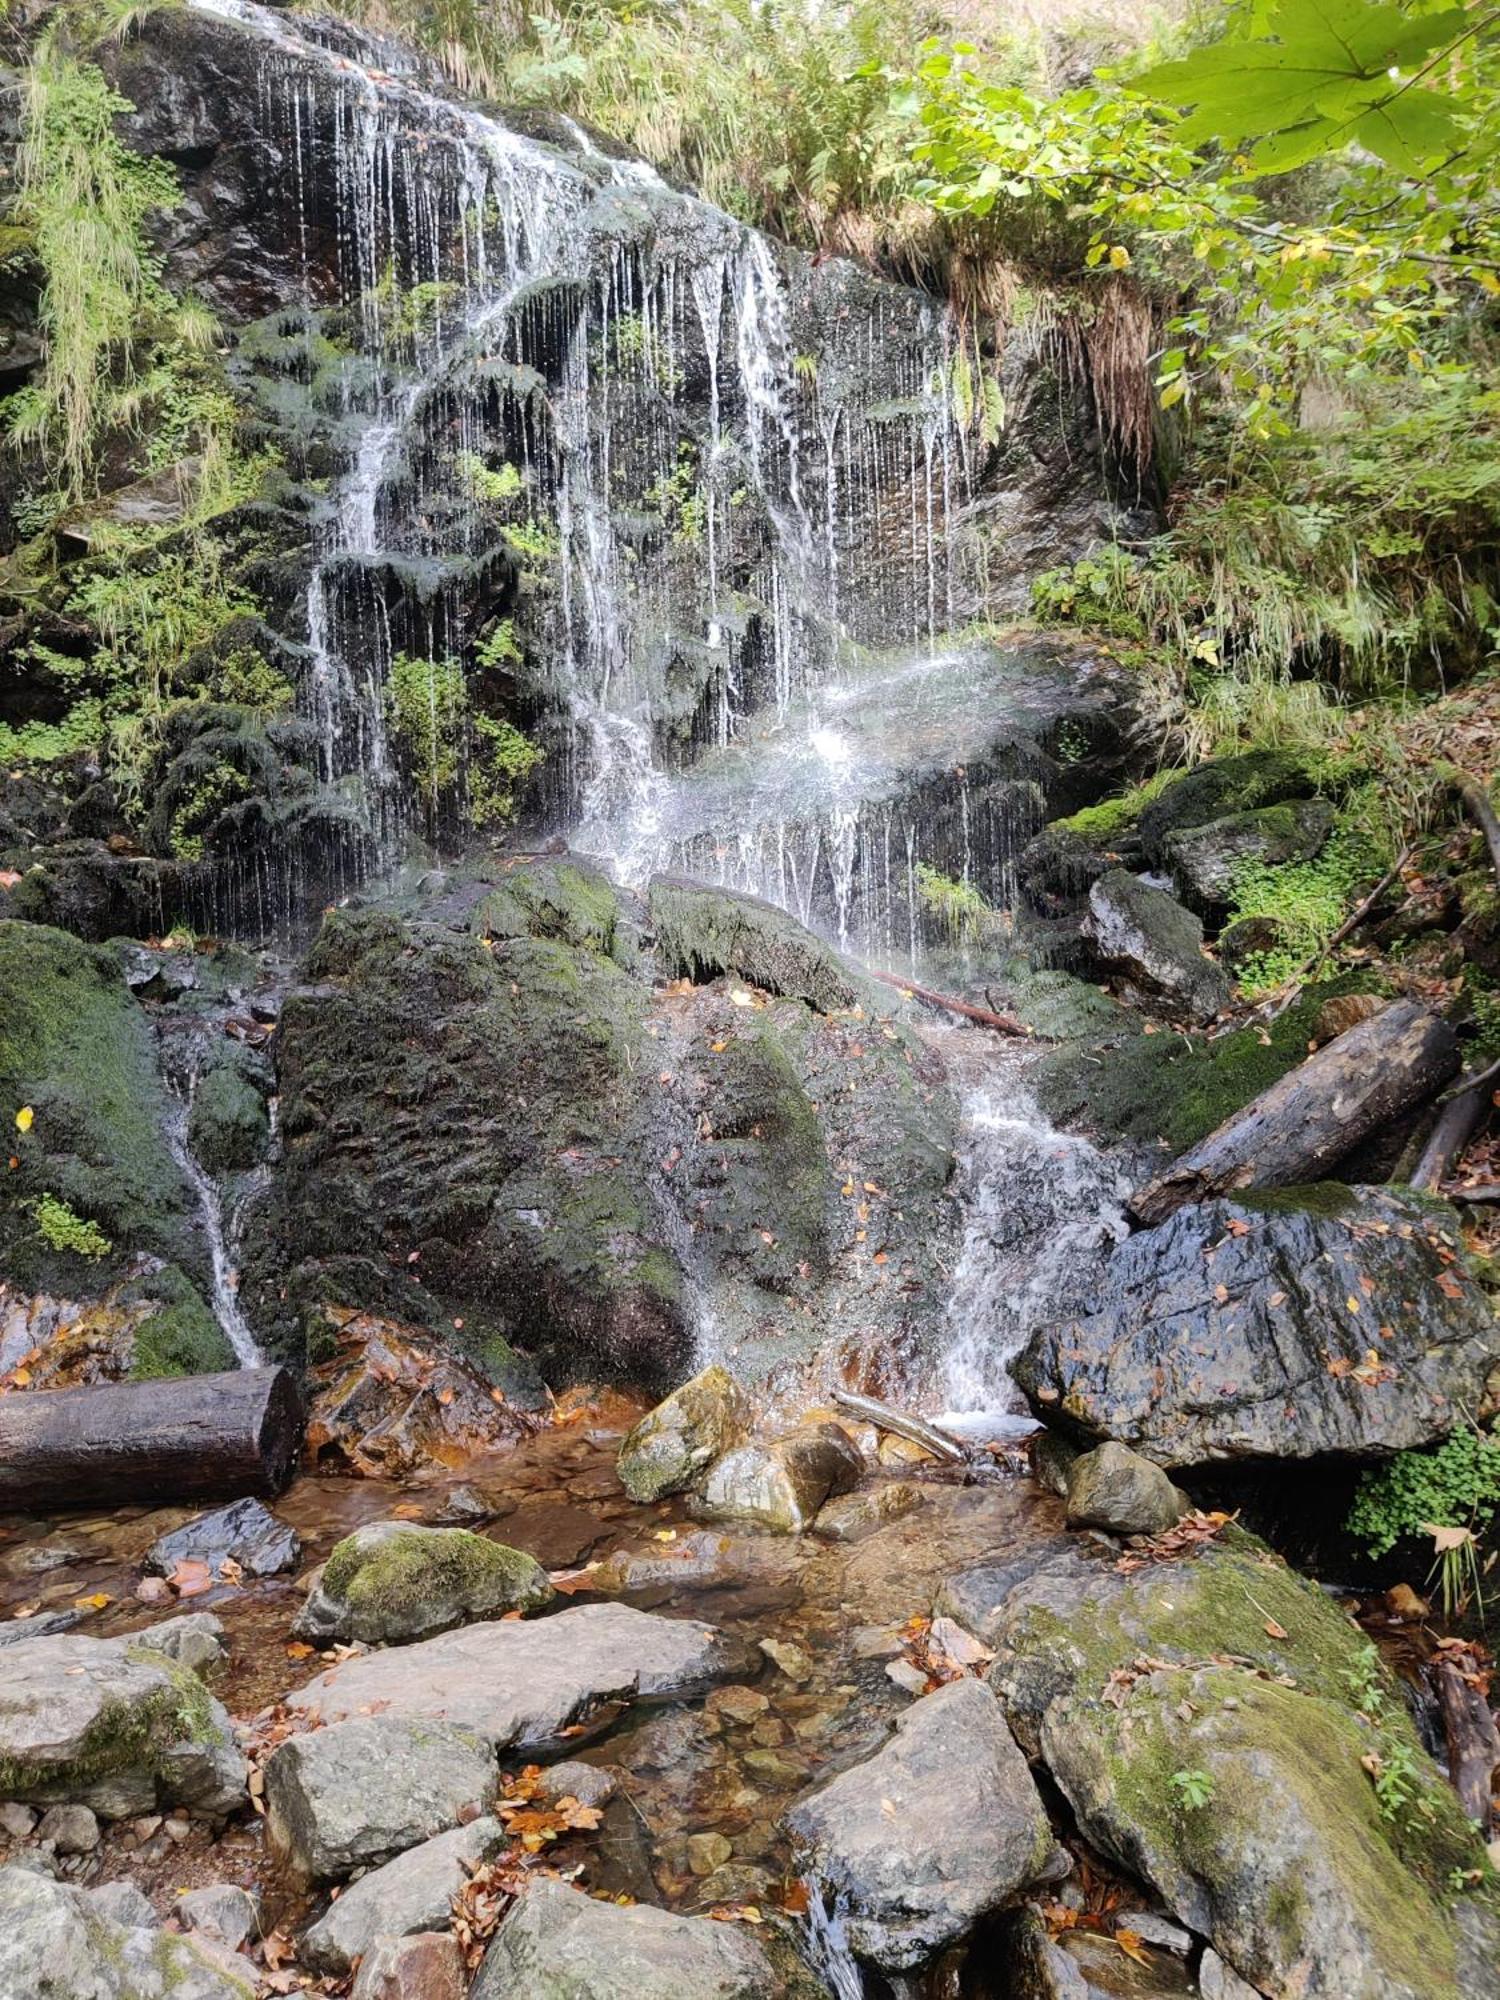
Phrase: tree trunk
x=1301 y=1127
x=190 y=1438
x=1473 y=1742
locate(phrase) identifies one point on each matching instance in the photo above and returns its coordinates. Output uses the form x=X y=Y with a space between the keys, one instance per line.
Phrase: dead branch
x=1003 y=1024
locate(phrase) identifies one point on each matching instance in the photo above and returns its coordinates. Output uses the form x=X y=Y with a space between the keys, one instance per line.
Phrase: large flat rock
x=939 y=1827
x=523 y=1683
x=58 y=1943
x=412 y=1893
x=1313 y=1322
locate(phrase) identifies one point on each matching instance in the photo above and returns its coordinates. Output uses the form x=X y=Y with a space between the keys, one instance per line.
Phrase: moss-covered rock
x=1222 y=1730
x=677 y=1440
x=180 y=1335
x=1206 y=860
x=702 y=933
x=229 y=1125
x=571 y=901
x=1214 y=790
x=393 y=1581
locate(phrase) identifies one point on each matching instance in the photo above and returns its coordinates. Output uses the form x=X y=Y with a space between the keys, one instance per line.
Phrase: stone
x=195 y=1640
x=590 y=1784
x=976 y=1597
x=123 y=1903
x=1146 y=934
x=704 y=932
x=1205 y=860
x=109 y=1724
x=1301 y=1324
x=16 y=1821
x=362 y=1790
x=781 y=1485
x=1218 y=1981
x=1081 y=1965
x=467 y=1507
x=423 y=1966
x=707 y=1851
x=57 y=1942
x=1219 y=788
x=69 y=1829
x=394 y=1581
x=941 y=1826
x=1228 y=1667
x=906 y=1675
x=794 y=1660
x=681 y=1437
x=1157 y=1930
x=222 y=1909
x=559 y=1944
x=1116 y=1489
x=246 y=1533
x=41 y=1625
x=412 y=1893
x=849 y=1517
x=1051 y=1459
x=523 y=1683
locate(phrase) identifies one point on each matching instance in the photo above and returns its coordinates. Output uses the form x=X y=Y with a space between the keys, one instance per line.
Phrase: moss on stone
x=381 y=1583
x=229 y=1128
x=125 y=1736
x=703 y=933
x=569 y=902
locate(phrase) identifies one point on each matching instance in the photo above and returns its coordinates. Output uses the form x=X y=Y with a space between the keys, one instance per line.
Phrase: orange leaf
x=190 y=1578
x=299 y=1650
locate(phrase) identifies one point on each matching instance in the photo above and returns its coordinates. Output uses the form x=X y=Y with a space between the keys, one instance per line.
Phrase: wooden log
x=1307 y=1122
x=1473 y=1742
x=193 y=1437
x=1457 y=1121
x=916 y=1430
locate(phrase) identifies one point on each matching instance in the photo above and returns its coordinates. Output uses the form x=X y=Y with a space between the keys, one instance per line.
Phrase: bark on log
x=1473 y=1743
x=1307 y=1122
x=191 y=1438
x=915 y=1429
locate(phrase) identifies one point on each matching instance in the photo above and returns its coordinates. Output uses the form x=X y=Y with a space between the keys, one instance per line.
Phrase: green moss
x=567 y=901
x=125 y=1736
x=449 y=1564
x=1109 y=818
x=229 y=1127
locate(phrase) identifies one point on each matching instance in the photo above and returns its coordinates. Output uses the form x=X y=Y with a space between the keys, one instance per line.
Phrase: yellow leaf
x=24 y=1118
x=1119 y=257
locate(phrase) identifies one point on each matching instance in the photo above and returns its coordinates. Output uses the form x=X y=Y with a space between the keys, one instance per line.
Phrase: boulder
x=1215 y=1722
x=1115 y=1488
x=938 y=1828
x=1295 y=1325
x=702 y=933
x=394 y=1581
x=523 y=1683
x=57 y=1940
x=425 y=1966
x=1219 y=789
x=1205 y=860
x=673 y=1443
x=246 y=1533
x=849 y=1517
x=781 y=1484
x=363 y=1790
x=123 y=1903
x=559 y=1944
x=412 y=1893
x=1148 y=936
x=224 y=1910
x=69 y=1830
x=114 y=1725
x=195 y=1640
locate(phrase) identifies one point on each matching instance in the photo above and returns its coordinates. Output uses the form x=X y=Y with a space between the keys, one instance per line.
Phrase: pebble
x=144 y=1828
x=590 y=1784
x=769 y=1732
x=907 y=1676
x=1152 y=1929
x=16 y=1820
x=772 y=1768
x=793 y=1661
x=176 y=1829
x=706 y=1852
x=737 y=1704
x=222 y=1909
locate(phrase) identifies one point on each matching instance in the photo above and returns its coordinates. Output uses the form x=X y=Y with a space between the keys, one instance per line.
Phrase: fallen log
x=194 y=1437
x=916 y=1430
x=1458 y=1119
x=1473 y=1742
x=1310 y=1119
x=1003 y=1024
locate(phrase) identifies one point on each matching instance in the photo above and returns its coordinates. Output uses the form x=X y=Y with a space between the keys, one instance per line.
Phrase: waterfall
x=224 y=1293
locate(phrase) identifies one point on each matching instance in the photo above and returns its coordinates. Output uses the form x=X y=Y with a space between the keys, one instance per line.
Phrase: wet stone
x=590 y=1784
x=781 y=1485
x=246 y=1533
x=412 y=1893
x=1116 y=1489
x=852 y=1516
x=395 y=1581
x=681 y=1437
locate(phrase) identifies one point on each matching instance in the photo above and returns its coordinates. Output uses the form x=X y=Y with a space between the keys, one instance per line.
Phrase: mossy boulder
x=394 y=1581
x=1218 y=789
x=1220 y=1729
x=702 y=933
x=571 y=901
x=58 y=1939
x=679 y=1439
x=115 y=1725
x=1206 y=860
x=229 y=1126
x=179 y=1335
x=1116 y=1489
x=1145 y=935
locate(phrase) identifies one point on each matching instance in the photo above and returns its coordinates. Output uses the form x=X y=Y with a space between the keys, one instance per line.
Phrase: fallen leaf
x=298 y=1649
x=1275 y=1631
x=24 y=1118
x=1130 y=1943
x=190 y=1578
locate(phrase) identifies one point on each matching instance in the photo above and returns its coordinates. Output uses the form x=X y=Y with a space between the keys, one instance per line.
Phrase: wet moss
x=566 y=901
x=126 y=1736
x=383 y=1580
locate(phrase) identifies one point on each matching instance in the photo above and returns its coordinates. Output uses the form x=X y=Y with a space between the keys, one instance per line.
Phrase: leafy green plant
x=499 y=648
x=1192 y=1789
x=503 y=759
x=63 y=1229
x=1450 y=1493
x=959 y=906
x=444 y=741
x=492 y=484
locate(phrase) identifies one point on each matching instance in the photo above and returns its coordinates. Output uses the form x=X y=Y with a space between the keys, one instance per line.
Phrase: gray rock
x=976 y=1597
x=590 y=1784
x=467 y=1507
x=1229 y=1670
x=782 y=1484
x=16 y=1820
x=195 y=1640
x=1216 y=789
x=1304 y=1324
x=559 y=1944
x=426 y=1966
x=1157 y=1930
x=851 y=1516
x=1079 y=1965
x=521 y=1683
x=394 y=1581
x=939 y=1827
x=363 y=1790
x=109 y=1724
x=40 y=1625
x=224 y=1910
x=1205 y=859
x=1218 y=1981
x=677 y=1440
x=56 y=1943
x=69 y=1829
x=124 y=1903
x=1148 y=935
x=702 y=932
x=1115 y=1488
x=246 y=1532
x=412 y=1893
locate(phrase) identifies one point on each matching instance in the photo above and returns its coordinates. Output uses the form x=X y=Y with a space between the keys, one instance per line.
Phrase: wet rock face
x=114 y=1725
x=1238 y=1792
x=1323 y=1321
x=55 y=1938
x=495 y=1116
x=392 y=1582
x=936 y=1829
x=1146 y=934
x=781 y=1484
x=246 y=1533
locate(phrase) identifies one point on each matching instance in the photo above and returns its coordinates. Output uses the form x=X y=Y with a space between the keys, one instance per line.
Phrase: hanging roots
x=1117 y=338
